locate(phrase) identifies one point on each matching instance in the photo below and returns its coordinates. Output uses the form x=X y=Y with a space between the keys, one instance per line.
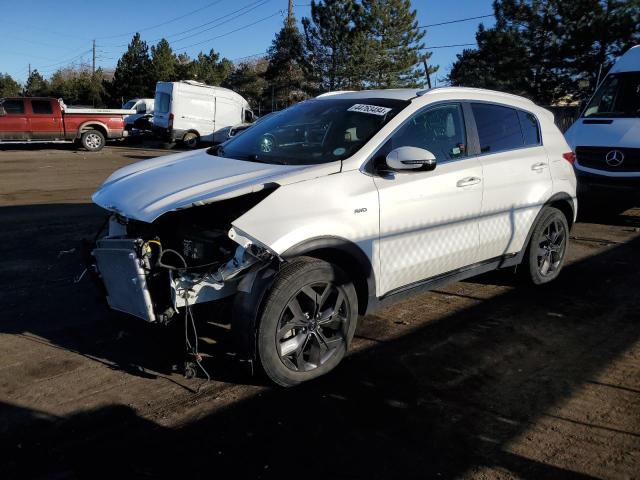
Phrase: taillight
x=170 y=125
x=569 y=157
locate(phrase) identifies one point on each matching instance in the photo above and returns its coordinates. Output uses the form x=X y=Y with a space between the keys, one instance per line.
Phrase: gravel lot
x=482 y=379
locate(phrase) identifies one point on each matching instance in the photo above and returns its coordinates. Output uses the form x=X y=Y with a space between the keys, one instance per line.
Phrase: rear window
x=162 y=102
x=13 y=106
x=41 y=106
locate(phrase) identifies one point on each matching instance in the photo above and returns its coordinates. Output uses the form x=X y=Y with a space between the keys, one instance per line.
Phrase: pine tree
x=36 y=85
x=331 y=37
x=133 y=76
x=210 y=69
x=163 y=62
x=248 y=80
x=8 y=86
x=285 y=73
x=391 y=44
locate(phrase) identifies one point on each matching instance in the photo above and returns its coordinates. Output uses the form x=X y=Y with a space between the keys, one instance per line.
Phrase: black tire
x=547 y=249
x=322 y=338
x=191 y=140
x=92 y=140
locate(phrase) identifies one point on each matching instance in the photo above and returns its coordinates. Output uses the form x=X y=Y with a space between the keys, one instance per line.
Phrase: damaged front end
x=185 y=257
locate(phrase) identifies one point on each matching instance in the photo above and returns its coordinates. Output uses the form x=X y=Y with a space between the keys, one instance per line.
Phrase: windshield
x=129 y=105
x=618 y=96
x=312 y=132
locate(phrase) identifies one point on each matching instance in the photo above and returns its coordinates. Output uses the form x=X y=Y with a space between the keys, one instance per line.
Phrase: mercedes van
x=606 y=137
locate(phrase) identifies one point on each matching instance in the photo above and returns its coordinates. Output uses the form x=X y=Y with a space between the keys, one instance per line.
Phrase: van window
x=41 y=107
x=530 y=129
x=129 y=105
x=498 y=127
x=618 y=96
x=13 y=106
x=162 y=102
x=439 y=129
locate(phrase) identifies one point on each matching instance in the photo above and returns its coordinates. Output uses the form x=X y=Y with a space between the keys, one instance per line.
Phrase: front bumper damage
x=139 y=283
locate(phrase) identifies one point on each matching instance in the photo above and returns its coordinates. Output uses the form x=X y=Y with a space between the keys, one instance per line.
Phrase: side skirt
x=425 y=285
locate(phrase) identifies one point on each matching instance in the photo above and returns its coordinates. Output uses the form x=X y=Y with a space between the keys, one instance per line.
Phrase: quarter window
x=41 y=107
x=498 y=127
x=439 y=129
x=530 y=130
x=13 y=106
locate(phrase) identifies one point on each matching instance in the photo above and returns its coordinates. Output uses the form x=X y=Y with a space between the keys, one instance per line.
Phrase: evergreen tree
x=546 y=49
x=248 y=79
x=36 y=85
x=163 y=62
x=133 y=76
x=285 y=73
x=78 y=86
x=209 y=69
x=332 y=40
x=390 y=42
x=8 y=86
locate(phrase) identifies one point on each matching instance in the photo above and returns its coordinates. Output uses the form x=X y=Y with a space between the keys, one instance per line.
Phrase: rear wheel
x=307 y=323
x=547 y=247
x=92 y=140
x=191 y=140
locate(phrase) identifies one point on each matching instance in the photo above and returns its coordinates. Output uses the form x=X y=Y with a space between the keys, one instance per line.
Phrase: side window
x=498 y=127
x=530 y=130
x=13 y=106
x=42 y=107
x=439 y=129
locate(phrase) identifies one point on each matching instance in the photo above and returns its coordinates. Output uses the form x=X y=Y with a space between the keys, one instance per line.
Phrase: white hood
x=145 y=190
x=621 y=132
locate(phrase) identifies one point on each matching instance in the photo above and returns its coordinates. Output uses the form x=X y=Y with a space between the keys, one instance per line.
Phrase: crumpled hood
x=621 y=132
x=145 y=190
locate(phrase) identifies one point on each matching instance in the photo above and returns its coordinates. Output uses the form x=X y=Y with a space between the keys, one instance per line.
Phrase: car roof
x=449 y=93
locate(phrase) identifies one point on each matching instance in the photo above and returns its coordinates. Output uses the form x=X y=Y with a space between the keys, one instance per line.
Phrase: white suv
x=334 y=207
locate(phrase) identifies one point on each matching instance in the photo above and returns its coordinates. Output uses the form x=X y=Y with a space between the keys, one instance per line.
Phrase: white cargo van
x=191 y=112
x=606 y=137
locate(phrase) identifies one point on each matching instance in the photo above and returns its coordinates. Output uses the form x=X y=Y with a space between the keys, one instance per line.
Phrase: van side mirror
x=142 y=108
x=3 y=112
x=411 y=158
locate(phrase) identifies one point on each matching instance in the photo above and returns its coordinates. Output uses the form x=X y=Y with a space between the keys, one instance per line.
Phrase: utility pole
x=290 y=13
x=93 y=68
x=29 y=70
x=426 y=71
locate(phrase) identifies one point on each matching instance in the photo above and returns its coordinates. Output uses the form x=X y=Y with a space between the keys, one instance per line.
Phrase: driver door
x=429 y=221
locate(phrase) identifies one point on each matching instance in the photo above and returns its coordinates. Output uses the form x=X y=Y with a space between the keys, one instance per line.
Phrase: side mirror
x=411 y=158
x=142 y=108
x=2 y=112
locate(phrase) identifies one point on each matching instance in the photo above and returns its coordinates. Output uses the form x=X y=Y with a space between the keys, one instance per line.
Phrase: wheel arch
x=345 y=254
x=93 y=125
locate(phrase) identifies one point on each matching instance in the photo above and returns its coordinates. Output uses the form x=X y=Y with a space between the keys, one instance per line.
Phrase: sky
x=51 y=34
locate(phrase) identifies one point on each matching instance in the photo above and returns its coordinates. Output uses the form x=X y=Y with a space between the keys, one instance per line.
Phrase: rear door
x=517 y=178
x=13 y=123
x=45 y=123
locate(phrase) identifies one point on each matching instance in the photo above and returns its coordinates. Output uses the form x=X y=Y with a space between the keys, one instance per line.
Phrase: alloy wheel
x=551 y=247
x=312 y=326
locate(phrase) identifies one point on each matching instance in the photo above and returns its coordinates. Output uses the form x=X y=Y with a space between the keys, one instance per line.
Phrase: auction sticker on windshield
x=372 y=109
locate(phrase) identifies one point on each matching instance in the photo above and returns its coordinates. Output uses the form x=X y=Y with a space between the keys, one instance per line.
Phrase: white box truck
x=192 y=112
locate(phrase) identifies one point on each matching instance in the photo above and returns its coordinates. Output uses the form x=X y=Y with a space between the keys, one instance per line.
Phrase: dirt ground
x=483 y=379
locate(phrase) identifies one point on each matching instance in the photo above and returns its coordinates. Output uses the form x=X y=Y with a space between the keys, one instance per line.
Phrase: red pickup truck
x=34 y=119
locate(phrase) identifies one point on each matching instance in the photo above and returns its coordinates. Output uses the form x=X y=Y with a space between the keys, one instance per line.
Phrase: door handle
x=538 y=167
x=468 y=181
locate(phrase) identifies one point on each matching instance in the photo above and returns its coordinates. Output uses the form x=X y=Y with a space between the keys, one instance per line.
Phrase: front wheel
x=547 y=249
x=92 y=140
x=307 y=323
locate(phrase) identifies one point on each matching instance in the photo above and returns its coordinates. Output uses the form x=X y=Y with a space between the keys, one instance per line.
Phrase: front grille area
x=595 y=157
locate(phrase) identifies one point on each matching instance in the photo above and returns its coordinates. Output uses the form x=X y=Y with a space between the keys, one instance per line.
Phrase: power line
x=448 y=46
x=163 y=23
x=456 y=21
x=279 y=12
